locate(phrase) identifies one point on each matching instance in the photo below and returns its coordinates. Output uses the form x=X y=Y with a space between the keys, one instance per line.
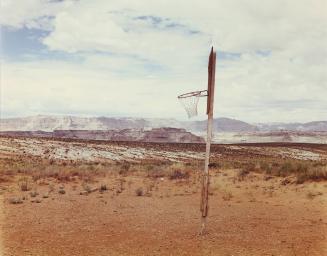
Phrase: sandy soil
x=256 y=216
x=252 y=217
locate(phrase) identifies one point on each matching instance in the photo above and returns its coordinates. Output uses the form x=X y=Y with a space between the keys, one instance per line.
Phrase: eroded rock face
x=171 y=135
x=166 y=135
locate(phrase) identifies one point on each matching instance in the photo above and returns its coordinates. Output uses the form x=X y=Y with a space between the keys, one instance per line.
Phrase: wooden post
x=205 y=177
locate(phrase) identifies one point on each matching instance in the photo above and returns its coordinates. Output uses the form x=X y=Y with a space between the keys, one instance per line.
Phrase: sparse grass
x=302 y=170
x=315 y=174
x=35 y=170
x=38 y=169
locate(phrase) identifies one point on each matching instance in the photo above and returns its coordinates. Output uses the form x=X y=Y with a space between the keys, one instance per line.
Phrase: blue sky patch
x=21 y=42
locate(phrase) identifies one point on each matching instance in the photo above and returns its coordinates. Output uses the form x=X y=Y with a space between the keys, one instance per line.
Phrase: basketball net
x=190 y=101
x=190 y=104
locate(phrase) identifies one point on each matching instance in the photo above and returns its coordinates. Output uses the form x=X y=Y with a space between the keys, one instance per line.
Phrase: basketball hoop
x=190 y=101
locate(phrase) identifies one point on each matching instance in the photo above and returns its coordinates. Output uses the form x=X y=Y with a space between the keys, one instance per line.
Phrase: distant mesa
x=51 y=123
x=166 y=135
x=161 y=129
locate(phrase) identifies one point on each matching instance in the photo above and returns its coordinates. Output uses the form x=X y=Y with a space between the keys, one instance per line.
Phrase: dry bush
x=215 y=165
x=214 y=185
x=164 y=169
x=51 y=188
x=63 y=171
x=4 y=178
x=241 y=174
x=139 y=191
x=179 y=174
x=266 y=167
x=34 y=194
x=103 y=187
x=15 y=200
x=227 y=195
x=121 y=185
x=178 y=171
x=124 y=168
x=314 y=174
x=156 y=172
x=86 y=187
x=62 y=191
x=149 y=186
x=302 y=170
x=24 y=184
x=312 y=195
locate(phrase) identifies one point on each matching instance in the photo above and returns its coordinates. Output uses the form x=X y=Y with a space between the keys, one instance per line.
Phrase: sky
x=132 y=58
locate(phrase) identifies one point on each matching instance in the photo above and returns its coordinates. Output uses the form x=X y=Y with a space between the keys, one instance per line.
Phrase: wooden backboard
x=211 y=81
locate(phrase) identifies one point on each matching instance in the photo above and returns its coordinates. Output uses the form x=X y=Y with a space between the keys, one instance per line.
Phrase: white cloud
x=137 y=55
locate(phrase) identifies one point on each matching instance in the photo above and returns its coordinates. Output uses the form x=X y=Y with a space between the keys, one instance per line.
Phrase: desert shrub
x=285 y=169
x=242 y=173
x=301 y=168
x=215 y=165
x=227 y=195
x=36 y=175
x=156 y=171
x=86 y=187
x=121 y=186
x=139 y=191
x=4 y=179
x=312 y=195
x=15 y=200
x=249 y=167
x=292 y=167
x=61 y=191
x=86 y=176
x=313 y=174
x=179 y=174
x=34 y=194
x=51 y=188
x=103 y=187
x=24 y=184
x=124 y=168
x=266 y=167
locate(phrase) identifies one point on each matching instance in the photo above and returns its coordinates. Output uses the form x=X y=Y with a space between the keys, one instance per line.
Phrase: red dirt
x=256 y=216
x=250 y=223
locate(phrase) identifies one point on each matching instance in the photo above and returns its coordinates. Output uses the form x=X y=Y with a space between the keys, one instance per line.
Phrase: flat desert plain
x=72 y=197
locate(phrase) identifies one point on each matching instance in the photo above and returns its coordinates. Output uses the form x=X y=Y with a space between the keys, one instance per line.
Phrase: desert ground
x=74 y=197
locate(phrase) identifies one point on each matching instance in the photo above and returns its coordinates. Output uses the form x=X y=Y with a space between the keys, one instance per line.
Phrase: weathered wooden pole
x=205 y=177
